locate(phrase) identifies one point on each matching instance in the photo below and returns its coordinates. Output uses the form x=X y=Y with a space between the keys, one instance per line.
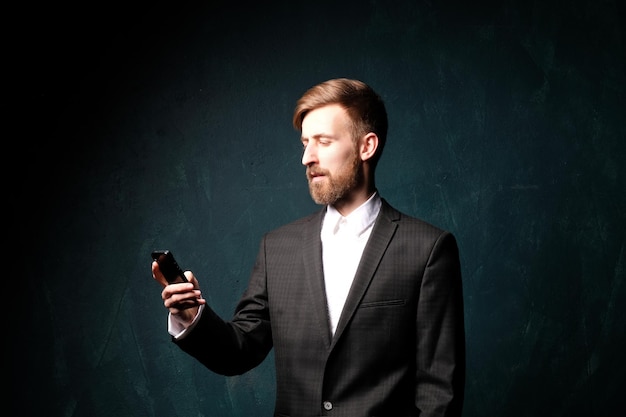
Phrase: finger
x=177 y=307
x=192 y=296
x=186 y=315
x=191 y=278
x=157 y=275
x=178 y=303
x=179 y=290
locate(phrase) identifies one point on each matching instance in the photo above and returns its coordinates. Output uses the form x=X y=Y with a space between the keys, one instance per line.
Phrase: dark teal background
x=170 y=127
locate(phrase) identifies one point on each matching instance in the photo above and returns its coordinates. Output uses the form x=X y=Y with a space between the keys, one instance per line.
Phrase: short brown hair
x=363 y=105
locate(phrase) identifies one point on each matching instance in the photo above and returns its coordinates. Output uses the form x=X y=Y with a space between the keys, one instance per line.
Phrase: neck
x=351 y=202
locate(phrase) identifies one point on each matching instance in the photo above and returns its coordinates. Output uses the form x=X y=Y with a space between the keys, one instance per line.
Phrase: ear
x=368 y=146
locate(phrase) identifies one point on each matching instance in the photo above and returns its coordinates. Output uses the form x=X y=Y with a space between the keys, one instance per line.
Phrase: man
x=361 y=303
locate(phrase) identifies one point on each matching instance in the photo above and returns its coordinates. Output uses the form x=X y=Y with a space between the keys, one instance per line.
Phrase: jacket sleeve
x=440 y=356
x=236 y=346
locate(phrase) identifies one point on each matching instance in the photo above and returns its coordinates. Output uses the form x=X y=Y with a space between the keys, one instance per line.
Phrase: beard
x=335 y=187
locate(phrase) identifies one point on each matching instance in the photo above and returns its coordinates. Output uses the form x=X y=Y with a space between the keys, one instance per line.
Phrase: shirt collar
x=358 y=221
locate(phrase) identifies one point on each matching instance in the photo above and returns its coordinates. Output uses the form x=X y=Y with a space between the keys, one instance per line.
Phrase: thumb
x=158 y=275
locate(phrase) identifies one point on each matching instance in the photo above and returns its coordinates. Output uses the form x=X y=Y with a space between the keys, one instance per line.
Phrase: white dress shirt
x=343 y=241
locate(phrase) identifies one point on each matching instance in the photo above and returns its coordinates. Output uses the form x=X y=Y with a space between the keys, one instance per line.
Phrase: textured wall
x=169 y=127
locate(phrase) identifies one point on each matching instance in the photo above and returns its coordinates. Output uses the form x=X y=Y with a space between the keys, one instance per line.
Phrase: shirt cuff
x=176 y=327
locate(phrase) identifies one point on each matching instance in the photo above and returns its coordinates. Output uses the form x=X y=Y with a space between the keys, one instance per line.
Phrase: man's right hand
x=183 y=299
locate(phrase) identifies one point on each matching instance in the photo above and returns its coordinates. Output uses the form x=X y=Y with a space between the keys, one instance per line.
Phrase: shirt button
x=328 y=405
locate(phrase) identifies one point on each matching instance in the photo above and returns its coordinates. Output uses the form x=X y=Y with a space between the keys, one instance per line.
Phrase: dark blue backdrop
x=170 y=127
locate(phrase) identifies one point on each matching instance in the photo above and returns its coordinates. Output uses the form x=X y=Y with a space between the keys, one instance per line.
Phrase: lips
x=314 y=175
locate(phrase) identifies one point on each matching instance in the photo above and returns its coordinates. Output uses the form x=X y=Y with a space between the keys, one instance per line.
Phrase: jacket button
x=328 y=405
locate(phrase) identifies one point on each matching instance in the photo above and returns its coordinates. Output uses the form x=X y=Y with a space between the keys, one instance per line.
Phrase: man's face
x=333 y=166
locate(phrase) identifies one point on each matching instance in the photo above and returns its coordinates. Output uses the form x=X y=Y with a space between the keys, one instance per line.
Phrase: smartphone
x=168 y=266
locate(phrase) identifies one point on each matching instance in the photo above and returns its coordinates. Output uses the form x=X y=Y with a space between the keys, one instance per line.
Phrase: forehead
x=331 y=119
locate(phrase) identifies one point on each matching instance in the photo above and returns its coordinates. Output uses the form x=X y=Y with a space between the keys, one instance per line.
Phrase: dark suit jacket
x=399 y=348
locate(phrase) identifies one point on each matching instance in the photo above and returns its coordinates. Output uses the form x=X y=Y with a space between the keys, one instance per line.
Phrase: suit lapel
x=382 y=233
x=314 y=273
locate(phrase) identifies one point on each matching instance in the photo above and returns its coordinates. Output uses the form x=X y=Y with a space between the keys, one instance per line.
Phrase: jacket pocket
x=383 y=303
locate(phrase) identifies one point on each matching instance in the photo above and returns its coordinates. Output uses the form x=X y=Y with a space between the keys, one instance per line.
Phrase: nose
x=309 y=155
